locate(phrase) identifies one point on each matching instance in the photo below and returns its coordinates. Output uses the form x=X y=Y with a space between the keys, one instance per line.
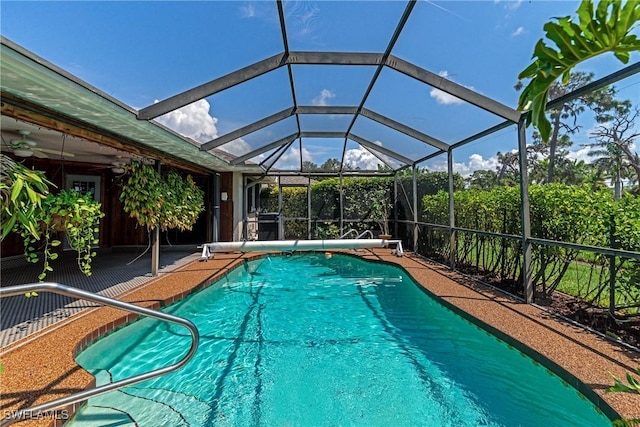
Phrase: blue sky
x=141 y=52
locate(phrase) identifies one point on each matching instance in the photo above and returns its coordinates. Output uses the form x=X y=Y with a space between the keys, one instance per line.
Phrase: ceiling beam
x=239 y=133
x=265 y=148
x=404 y=129
x=214 y=86
x=380 y=149
x=334 y=58
x=453 y=88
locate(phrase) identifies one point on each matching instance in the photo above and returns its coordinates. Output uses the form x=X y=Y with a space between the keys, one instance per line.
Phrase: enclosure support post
x=216 y=207
x=525 y=214
x=612 y=268
x=245 y=218
x=155 y=242
x=414 y=200
x=280 y=214
x=452 y=217
x=309 y=207
x=395 y=207
x=341 y=202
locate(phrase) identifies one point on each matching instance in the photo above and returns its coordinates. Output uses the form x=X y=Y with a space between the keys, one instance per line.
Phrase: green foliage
x=29 y=209
x=627 y=423
x=142 y=194
x=619 y=386
x=605 y=28
x=68 y=211
x=183 y=203
x=22 y=191
x=557 y=212
x=156 y=201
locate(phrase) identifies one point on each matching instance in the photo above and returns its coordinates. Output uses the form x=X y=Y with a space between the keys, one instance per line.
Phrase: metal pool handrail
x=58 y=288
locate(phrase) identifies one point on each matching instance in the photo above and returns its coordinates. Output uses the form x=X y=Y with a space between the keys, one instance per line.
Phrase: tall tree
x=564 y=118
x=615 y=141
x=331 y=165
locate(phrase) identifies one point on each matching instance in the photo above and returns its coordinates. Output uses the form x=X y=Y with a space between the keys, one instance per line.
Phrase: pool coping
x=42 y=366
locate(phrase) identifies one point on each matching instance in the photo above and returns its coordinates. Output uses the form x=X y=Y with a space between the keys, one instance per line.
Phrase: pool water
x=308 y=341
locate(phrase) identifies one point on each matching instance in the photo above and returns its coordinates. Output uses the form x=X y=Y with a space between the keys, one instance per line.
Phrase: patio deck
x=113 y=274
x=41 y=367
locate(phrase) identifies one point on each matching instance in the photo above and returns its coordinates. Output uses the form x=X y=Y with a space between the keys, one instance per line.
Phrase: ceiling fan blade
x=39 y=154
x=56 y=152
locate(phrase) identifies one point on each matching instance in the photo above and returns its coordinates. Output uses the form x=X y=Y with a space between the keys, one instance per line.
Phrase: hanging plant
x=183 y=202
x=142 y=194
x=166 y=202
x=601 y=29
x=22 y=191
x=68 y=211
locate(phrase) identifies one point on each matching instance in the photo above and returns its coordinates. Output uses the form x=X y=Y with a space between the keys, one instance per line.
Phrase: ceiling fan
x=24 y=147
x=117 y=166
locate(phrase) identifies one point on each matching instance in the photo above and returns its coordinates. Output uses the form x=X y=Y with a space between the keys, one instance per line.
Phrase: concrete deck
x=41 y=366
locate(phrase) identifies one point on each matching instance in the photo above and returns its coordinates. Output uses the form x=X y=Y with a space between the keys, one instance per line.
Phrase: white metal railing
x=58 y=288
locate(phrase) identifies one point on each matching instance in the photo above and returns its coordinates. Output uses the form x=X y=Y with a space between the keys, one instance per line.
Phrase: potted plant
x=381 y=209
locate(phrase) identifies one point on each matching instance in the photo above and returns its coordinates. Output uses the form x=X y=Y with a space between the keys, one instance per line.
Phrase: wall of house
x=117 y=228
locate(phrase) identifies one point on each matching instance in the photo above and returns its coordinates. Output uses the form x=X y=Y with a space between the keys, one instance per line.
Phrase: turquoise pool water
x=308 y=341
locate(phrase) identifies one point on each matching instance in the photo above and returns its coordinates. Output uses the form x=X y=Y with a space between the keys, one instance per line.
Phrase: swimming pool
x=307 y=340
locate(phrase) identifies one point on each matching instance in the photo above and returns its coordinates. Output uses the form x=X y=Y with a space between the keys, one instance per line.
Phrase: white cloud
x=361 y=158
x=518 y=32
x=248 y=11
x=323 y=97
x=509 y=4
x=192 y=121
x=512 y=4
x=443 y=97
x=195 y=122
x=237 y=147
x=291 y=159
x=476 y=162
x=581 y=154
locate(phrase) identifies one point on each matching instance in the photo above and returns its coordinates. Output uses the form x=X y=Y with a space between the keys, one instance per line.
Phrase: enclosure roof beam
x=379 y=157
x=285 y=42
x=588 y=88
x=328 y=173
x=482 y=134
x=404 y=129
x=385 y=57
x=380 y=149
x=425 y=158
x=275 y=153
x=453 y=88
x=239 y=133
x=334 y=58
x=214 y=86
x=265 y=148
x=325 y=109
x=281 y=150
x=323 y=134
